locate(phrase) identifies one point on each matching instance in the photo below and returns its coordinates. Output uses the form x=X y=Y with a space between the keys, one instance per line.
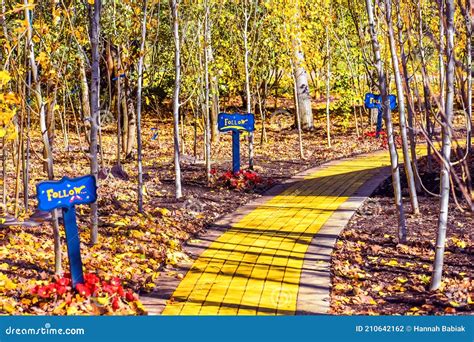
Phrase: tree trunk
x=388 y=122
x=304 y=95
x=177 y=83
x=207 y=93
x=304 y=92
x=297 y=109
x=119 y=106
x=410 y=107
x=132 y=122
x=469 y=28
x=446 y=151
x=247 y=82
x=139 y=109
x=401 y=110
x=328 y=88
x=44 y=132
x=124 y=112
x=26 y=165
x=426 y=88
x=214 y=86
x=85 y=101
x=94 y=12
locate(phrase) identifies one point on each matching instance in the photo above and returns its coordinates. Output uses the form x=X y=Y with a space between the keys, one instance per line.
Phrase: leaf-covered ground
x=135 y=247
x=373 y=274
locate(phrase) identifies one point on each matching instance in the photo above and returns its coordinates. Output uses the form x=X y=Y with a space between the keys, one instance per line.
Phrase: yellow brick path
x=254 y=267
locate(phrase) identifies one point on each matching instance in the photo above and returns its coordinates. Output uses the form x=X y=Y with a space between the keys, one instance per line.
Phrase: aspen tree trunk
x=302 y=84
x=446 y=150
x=402 y=230
x=119 y=107
x=124 y=112
x=410 y=107
x=206 y=92
x=263 y=134
x=426 y=88
x=26 y=164
x=442 y=72
x=3 y=22
x=85 y=100
x=4 y=176
x=328 y=88
x=177 y=83
x=469 y=28
x=44 y=132
x=95 y=12
x=213 y=82
x=401 y=111
x=4 y=208
x=139 y=109
x=304 y=92
x=247 y=81
x=298 y=116
x=20 y=153
x=132 y=120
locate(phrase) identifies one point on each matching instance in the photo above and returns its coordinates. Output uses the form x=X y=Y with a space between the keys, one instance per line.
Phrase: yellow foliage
x=8 y=101
x=4 y=77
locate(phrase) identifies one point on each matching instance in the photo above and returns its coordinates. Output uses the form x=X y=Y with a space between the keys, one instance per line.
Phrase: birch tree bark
x=207 y=114
x=469 y=27
x=328 y=88
x=85 y=100
x=213 y=82
x=139 y=109
x=401 y=110
x=247 y=14
x=426 y=88
x=177 y=83
x=302 y=84
x=95 y=12
x=402 y=230
x=304 y=92
x=445 y=150
x=410 y=107
x=44 y=133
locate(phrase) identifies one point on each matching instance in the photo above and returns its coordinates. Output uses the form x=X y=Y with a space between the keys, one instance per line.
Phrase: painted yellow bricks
x=255 y=267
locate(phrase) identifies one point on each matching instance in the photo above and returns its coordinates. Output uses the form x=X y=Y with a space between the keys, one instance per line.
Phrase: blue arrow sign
x=375 y=101
x=66 y=194
x=236 y=123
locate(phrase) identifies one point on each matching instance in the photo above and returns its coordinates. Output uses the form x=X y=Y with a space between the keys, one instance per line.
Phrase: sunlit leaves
x=8 y=100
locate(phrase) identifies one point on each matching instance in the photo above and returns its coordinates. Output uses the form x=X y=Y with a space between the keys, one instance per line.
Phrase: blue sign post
x=66 y=194
x=236 y=123
x=375 y=101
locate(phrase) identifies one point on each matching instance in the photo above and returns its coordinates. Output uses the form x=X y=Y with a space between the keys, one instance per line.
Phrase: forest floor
x=132 y=246
x=373 y=274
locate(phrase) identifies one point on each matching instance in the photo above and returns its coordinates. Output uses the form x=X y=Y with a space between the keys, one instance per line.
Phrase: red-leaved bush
x=242 y=180
x=103 y=292
x=383 y=138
